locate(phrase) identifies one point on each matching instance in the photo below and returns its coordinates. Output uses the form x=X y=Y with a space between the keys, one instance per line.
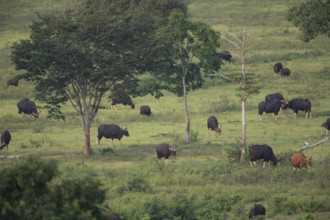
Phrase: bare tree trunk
x=243 y=149
x=186 y=113
x=87 y=141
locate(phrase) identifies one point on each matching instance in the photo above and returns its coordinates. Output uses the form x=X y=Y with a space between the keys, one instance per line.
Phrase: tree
x=245 y=79
x=28 y=191
x=312 y=18
x=79 y=56
x=191 y=53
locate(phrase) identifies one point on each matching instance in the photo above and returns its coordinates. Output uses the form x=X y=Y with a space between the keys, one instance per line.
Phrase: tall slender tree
x=245 y=79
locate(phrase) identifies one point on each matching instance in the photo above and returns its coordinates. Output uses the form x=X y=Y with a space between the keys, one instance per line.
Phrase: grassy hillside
x=204 y=180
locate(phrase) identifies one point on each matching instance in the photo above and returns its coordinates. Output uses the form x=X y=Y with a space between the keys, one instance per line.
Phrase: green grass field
x=203 y=179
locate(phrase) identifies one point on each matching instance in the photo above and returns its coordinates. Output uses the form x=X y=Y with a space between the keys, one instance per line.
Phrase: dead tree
x=309 y=146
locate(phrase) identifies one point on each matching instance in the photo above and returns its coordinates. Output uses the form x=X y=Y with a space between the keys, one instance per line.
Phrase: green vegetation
x=205 y=181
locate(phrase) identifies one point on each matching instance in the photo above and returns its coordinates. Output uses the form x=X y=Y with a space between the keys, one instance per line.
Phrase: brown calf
x=299 y=160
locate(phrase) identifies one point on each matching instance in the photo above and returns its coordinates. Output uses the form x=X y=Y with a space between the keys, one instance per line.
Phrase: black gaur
x=265 y=152
x=111 y=131
x=145 y=110
x=212 y=124
x=12 y=82
x=5 y=139
x=165 y=150
x=326 y=125
x=121 y=99
x=285 y=72
x=269 y=107
x=274 y=96
x=277 y=67
x=27 y=106
x=225 y=55
x=299 y=104
x=257 y=209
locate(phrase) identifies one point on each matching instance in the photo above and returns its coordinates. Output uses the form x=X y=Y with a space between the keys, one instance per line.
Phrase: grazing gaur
x=277 y=67
x=225 y=55
x=27 y=106
x=257 y=209
x=299 y=160
x=299 y=104
x=145 y=110
x=121 y=99
x=285 y=72
x=212 y=124
x=326 y=125
x=274 y=96
x=5 y=139
x=111 y=131
x=265 y=152
x=269 y=107
x=12 y=82
x=165 y=150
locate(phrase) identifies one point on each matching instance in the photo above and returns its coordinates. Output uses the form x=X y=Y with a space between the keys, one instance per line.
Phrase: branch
x=309 y=146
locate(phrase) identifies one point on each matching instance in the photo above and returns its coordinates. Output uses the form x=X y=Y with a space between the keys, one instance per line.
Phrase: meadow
x=205 y=180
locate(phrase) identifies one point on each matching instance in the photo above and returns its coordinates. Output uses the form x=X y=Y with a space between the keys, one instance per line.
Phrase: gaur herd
x=273 y=103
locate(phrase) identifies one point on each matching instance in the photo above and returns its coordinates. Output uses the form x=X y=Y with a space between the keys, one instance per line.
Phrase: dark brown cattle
x=12 y=82
x=299 y=104
x=257 y=209
x=265 y=152
x=326 y=125
x=299 y=160
x=121 y=99
x=285 y=72
x=274 y=96
x=145 y=110
x=225 y=55
x=277 y=67
x=5 y=139
x=28 y=107
x=165 y=150
x=212 y=124
x=273 y=106
x=111 y=131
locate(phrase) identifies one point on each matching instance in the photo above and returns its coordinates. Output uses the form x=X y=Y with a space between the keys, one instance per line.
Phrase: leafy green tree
x=80 y=55
x=28 y=191
x=311 y=17
x=191 y=53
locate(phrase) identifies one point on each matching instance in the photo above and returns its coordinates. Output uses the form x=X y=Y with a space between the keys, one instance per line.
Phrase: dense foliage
x=312 y=18
x=32 y=189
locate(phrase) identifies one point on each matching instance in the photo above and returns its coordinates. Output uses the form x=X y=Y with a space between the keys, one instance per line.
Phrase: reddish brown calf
x=299 y=160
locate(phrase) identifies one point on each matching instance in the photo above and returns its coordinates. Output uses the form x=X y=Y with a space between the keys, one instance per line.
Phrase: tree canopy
x=191 y=54
x=312 y=18
x=87 y=51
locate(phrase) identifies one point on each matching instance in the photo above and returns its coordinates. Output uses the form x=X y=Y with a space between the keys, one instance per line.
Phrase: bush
x=27 y=192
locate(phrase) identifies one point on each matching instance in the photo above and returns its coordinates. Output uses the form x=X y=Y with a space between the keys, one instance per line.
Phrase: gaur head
x=125 y=131
x=173 y=151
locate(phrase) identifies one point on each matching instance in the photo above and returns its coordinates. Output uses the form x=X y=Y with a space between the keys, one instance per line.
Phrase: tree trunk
x=86 y=123
x=87 y=141
x=243 y=150
x=186 y=113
